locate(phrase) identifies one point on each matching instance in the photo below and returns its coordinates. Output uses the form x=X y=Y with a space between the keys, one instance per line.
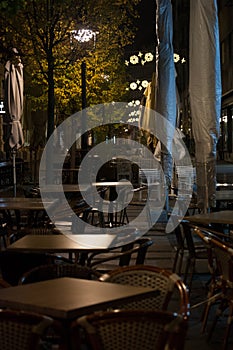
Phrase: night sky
x=145 y=36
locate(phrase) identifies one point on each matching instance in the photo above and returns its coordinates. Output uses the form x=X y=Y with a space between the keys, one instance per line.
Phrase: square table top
x=68 y=298
x=63 y=243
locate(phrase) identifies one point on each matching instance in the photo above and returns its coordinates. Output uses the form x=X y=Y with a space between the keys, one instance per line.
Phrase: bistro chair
x=96 y=211
x=130 y=330
x=189 y=248
x=22 y=330
x=4 y=284
x=4 y=234
x=14 y=264
x=121 y=216
x=172 y=295
x=51 y=271
x=131 y=253
x=41 y=230
x=224 y=267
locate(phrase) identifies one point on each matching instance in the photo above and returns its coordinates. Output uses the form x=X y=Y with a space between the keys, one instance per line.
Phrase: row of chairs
x=118 y=329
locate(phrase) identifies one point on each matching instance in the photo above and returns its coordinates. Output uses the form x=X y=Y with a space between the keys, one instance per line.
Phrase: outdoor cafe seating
x=220 y=291
x=131 y=330
x=131 y=253
x=173 y=294
x=23 y=330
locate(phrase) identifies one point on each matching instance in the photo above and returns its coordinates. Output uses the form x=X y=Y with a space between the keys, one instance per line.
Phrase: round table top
x=218 y=217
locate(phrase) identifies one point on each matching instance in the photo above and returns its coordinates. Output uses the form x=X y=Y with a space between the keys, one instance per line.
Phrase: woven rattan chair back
x=132 y=330
x=51 y=271
x=22 y=330
x=14 y=264
x=3 y=283
x=173 y=294
x=224 y=259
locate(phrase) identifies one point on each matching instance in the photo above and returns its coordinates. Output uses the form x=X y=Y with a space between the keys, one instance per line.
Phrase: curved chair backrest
x=221 y=286
x=4 y=284
x=51 y=271
x=122 y=255
x=14 y=264
x=168 y=283
x=43 y=231
x=224 y=258
x=132 y=330
x=22 y=330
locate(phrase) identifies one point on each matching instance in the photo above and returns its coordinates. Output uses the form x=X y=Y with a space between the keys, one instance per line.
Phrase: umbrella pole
x=14 y=172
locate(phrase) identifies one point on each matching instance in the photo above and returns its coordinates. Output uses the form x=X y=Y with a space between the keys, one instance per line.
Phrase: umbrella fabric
x=166 y=99
x=14 y=99
x=205 y=94
x=161 y=92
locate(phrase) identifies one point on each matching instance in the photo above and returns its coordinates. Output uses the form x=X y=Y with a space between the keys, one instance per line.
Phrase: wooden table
x=61 y=191
x=22 y=203
x=62 y=243
x=219 y=217
x=30 y=205
x=111 y=183
x=66 y=188
x=68 y=298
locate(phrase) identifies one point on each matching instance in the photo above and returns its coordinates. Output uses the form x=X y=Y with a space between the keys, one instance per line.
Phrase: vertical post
x=84 y=105
x=14 y=171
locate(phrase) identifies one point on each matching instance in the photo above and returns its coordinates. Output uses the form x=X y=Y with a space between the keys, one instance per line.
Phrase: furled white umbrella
x=205 y=95
x=162 y=89
x=14 y=85
x=166 y=99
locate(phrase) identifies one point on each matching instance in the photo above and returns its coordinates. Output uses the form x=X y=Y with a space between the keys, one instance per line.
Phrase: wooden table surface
x=62 y=243
x=111 y=183
x=66 y=188
x=22 y=203
x=67 y=298
x=218 y=217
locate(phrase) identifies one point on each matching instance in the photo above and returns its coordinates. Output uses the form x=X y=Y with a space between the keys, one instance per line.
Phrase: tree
x=41 y=31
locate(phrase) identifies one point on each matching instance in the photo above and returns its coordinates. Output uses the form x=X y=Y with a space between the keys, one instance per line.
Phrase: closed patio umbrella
x=14 y=105
x=205 y=95
x=163 y=97
x=166 y=98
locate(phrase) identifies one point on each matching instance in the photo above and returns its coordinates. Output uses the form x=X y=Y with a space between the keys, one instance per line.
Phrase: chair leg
x=178 y=261
x=101 y=219
x=212 y=299
x=219 y=312
x=190 y=266
x=175 y=261
x=181 y=258
x=228 y=328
